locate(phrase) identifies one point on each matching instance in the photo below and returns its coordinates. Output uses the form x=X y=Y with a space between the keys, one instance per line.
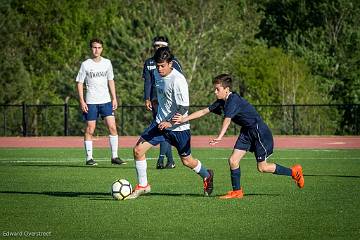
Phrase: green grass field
x=51 y=192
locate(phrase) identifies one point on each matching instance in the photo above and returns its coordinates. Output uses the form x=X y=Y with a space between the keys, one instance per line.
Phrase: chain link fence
x=66 y=120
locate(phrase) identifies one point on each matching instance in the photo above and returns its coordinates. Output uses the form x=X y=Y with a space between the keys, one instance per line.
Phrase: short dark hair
x=163 y=54
x=96 y=40
x=160 y=39
x=224 y=79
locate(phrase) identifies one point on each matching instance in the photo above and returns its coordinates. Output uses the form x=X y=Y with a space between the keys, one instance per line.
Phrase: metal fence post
x=294 y=119
x=24 y=119
x=66 y=116
x=357 y=127
x=122 y=121
x=4 y=119
x=357 y=110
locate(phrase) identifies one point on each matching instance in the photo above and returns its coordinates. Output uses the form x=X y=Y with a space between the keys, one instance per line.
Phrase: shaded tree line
x=279 y=51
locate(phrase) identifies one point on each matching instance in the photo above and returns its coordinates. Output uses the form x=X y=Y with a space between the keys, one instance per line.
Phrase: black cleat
x=91 y=162
x=117 y=161
x=170 y=165
x=159 y=166
x=208 y=183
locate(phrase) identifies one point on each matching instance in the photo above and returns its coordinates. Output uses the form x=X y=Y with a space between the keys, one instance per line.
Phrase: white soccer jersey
x=96 y=76
x=172 y=91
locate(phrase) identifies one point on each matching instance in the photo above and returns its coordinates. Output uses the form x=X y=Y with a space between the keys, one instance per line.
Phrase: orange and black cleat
x=297 y=175
x=208 y=183
x=233 y=194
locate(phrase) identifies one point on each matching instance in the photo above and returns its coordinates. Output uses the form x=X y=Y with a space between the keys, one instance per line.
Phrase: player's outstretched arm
x=223 y=130
x=178 y=118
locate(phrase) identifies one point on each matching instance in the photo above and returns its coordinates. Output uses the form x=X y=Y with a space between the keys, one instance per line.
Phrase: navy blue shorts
x=179 y=139
x=258 y=140
x=96 y=110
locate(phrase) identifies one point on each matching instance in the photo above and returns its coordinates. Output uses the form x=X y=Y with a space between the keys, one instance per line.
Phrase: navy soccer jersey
x=255 y=136
x=238 y=109
x=150 y=74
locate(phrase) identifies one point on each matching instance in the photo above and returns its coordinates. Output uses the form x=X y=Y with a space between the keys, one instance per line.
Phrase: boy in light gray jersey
x=173 y=97
x=150 y=73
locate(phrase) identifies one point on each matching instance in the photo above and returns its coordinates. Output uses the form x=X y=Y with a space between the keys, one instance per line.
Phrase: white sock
x=141 y=167
x=114 y=141
x=198 y=167
x=88 y=149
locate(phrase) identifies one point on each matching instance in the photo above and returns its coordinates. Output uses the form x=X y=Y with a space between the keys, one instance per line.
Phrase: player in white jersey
x=100 y=100
x=173 y=97
x=150 y=73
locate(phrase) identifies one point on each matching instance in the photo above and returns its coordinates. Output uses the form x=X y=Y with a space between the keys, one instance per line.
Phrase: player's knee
x=233 y=163
x=263 y=168
x=90 y=130
x=189 y=161
x=136 y=152
x=260 y=169
x=112 y=130
x=185 y=161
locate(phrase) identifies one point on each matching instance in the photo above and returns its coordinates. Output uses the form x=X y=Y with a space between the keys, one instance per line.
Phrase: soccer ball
x=121 y=189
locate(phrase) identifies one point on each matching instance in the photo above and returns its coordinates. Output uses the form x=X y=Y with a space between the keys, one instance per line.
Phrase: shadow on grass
x=157 y=194
x=175 y=194
x=190 y=195
x=106 y=196
x=262 y=194
x=96 y=195
x=329 y=175
x=74 y=166
x=201 y=195
x=59 y=194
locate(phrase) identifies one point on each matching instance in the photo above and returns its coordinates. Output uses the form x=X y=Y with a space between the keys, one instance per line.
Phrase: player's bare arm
x=80 y=89
x=178 y=118
x=181 y=110
x=148 y=105
x=223 y=130
x=164 y=125
x=113 y=94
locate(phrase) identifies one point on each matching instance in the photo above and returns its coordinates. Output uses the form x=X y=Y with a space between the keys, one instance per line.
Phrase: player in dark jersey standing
x=255 y=136
x=150 y=74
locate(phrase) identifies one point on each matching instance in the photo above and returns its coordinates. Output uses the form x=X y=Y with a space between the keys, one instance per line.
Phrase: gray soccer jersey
x=172 y=92
x=96 y=76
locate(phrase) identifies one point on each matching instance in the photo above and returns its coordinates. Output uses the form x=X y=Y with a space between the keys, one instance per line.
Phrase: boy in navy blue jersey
x=150 y=74
x=255 y=136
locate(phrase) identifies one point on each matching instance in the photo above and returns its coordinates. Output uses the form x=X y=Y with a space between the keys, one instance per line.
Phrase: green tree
x=44 y=42
x=14 y=75
x=270 y=76
x=325 y=34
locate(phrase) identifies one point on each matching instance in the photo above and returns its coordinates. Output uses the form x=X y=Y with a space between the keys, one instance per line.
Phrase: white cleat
x=139 y=190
